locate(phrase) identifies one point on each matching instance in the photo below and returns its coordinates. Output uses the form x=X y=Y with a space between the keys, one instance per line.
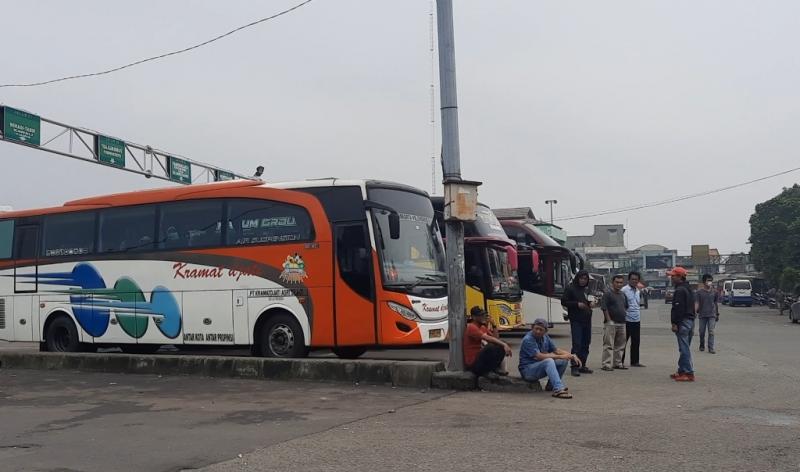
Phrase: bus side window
x=6 y=238
x=190 y=224
x=267 y=222
x=69 y=234
x=472 y=266
x=127 y=229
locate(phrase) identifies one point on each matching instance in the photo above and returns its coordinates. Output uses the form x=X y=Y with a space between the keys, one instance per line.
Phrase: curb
x=466 y=381
x=414 y=374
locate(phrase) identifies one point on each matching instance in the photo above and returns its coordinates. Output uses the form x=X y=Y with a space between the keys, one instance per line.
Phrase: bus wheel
x=281 y=336
x=62 y=336
x=349 y=352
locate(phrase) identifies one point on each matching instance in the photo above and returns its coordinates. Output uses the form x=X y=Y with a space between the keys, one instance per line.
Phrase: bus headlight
x=505 y=309
x=406 y=313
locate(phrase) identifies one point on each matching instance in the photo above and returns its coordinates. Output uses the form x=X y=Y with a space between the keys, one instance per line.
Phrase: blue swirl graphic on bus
x=93 y=302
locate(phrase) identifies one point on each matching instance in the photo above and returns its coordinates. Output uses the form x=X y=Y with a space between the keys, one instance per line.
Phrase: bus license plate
x=435 y=333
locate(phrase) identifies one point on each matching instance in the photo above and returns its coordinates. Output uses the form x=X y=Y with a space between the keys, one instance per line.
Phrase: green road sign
x=222 y=175
x=21 y=126
x=180 y=170
x=110 y=151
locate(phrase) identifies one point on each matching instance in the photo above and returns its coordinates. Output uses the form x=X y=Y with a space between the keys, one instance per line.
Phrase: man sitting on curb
x=479 y=359
x=539 y=357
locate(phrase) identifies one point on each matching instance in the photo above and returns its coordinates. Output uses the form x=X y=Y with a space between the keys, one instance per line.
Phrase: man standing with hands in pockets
x=615 y=307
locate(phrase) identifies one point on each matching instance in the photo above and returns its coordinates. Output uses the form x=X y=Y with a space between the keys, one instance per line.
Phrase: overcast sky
x=596 y=104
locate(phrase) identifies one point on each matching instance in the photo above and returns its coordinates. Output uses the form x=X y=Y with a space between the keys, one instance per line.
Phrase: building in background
x=605 y=250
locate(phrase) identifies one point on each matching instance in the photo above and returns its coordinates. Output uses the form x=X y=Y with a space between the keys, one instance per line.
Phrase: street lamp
x=551 y=203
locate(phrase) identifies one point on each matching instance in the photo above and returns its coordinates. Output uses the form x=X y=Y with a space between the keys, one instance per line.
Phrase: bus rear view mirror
x=512 y=257
x=535 y=261
x=394 y=225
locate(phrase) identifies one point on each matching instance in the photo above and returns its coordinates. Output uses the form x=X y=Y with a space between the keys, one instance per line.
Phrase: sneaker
x=585 y=370
x=711 y=351
x=575 y=373
x=621 y=367
x=702 y=348
x=638 y=365
x=685 y=378
x=607 y=369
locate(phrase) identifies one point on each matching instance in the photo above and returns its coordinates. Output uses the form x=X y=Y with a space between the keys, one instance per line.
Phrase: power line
x=675 y=199
x=161 y=56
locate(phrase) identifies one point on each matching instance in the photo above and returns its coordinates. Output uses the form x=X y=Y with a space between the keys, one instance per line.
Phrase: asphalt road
x=742 y=414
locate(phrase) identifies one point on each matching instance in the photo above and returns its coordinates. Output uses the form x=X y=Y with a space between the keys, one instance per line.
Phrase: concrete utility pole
x=460 y=195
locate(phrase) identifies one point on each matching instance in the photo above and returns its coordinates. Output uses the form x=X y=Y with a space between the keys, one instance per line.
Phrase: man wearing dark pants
x=479 y=359
x=682 y=319
x=633 y=317
x=707 y=307
x=579 y=311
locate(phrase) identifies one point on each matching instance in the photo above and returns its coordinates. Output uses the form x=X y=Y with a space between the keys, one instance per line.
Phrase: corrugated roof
x=519 y=213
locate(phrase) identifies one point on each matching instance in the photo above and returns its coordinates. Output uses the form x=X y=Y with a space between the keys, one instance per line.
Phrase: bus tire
x=61 y=335
x=349 y=352
x=282 y=336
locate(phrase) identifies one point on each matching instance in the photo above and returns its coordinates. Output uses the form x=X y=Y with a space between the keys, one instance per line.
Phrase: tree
x=775 y=234
x=790 y=279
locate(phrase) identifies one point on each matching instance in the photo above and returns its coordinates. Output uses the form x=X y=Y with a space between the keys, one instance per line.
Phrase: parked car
x=741 y=293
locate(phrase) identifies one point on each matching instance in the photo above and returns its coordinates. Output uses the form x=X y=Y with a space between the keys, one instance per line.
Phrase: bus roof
x=335 y=182
x=139 y=197
x=133 y=198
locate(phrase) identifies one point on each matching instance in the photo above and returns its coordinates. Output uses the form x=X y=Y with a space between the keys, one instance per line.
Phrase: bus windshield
x=417 y=257
x=504 y=281
x=485 y=225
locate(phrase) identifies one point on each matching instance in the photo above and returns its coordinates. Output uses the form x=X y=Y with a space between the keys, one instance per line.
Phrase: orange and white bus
x=281 y=268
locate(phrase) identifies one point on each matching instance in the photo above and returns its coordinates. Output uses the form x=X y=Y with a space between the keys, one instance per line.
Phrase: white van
x=741 y=293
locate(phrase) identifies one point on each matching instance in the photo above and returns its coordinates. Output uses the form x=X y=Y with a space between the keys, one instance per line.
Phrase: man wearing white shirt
x=633 y=317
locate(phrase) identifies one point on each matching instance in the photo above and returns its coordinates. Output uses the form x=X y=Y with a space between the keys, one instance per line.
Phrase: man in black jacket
x=682 y=319
x=579 y=310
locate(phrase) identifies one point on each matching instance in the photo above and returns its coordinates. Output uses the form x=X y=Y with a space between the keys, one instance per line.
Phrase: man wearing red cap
x=682 y=318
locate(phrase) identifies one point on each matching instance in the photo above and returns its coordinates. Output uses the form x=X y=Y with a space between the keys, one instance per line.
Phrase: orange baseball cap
x=679 y=271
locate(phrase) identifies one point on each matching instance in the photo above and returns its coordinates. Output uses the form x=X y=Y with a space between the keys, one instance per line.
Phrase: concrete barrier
x=416 y=374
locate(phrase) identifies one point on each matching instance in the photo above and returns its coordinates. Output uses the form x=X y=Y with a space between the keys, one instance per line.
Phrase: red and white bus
x=281 y=268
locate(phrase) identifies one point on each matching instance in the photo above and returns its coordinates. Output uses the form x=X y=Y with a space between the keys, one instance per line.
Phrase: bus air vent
x=2 y=313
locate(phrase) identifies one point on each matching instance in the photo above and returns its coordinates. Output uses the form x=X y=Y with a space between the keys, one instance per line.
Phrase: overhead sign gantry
x=34 y=131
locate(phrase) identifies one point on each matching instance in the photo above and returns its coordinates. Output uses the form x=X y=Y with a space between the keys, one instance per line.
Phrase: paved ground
x=743 y=414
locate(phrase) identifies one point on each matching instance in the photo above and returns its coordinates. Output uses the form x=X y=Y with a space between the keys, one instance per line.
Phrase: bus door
x=476 y=275
x=26 y=280
x=354 y=286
